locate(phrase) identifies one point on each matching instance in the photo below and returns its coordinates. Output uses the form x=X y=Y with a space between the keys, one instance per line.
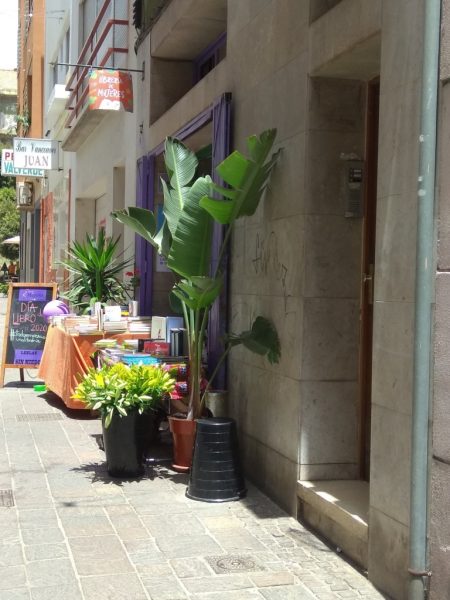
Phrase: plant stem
x=214 y=373
x=223 y=246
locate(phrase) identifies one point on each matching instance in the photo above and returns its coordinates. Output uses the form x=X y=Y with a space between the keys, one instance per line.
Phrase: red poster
x=110 y=90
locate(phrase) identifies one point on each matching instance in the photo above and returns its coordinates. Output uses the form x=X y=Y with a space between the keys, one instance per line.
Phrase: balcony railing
x=106 y=46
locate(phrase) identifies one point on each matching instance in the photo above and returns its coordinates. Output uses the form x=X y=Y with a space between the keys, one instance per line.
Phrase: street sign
x=10 y=170
x=30 y=153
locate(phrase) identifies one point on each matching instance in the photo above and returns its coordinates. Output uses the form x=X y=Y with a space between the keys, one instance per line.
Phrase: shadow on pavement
x=71 y=413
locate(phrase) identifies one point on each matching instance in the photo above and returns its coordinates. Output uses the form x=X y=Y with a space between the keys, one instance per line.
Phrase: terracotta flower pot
x=183 y=432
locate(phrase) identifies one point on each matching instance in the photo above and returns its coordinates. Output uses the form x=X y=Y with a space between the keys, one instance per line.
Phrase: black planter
x=124 y=446
x=216 y=473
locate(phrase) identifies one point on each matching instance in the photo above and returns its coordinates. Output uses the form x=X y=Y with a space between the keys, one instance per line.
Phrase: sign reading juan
x=25 y=325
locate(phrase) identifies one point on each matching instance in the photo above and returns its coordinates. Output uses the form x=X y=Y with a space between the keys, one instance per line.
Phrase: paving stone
x=221 y=522
x=69 y=591
x=273 y=578
x=36 y=518
x=237 y=540
x=187 y=545
x=99 y=555
x=235 y=595
x=164 y=588
x=113 y=587
x=42 y=536
x=292 y=592
x=173 y=525
x=218 y=583
x=81 y=525
x=10 y=554
x=144 y=553
x=17 y=594
x=46 y=573
x=190 y=567
x=45 y=551
x=12 y=577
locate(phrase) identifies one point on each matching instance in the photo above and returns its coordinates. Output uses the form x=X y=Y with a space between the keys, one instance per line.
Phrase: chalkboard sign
x=25 y=325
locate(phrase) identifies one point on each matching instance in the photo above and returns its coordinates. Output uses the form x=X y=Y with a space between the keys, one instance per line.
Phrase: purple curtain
x=144 y=250
x=218 y=318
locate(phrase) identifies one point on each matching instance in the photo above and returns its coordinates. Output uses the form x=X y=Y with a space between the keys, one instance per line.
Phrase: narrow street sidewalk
x=68 y=531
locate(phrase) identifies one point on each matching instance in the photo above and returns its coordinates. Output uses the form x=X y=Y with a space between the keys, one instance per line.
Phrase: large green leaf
x=247 y=179
x=163 y=239
x=198 y=292
x=181 y=165
x=190 y=252
x=141 y=220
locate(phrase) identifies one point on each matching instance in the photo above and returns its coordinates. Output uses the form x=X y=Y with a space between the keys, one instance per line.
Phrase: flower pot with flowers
x=126 y=398
x=134 y=281
x=185 y=240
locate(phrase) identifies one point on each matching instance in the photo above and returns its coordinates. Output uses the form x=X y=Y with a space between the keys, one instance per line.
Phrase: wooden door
x=368 y=276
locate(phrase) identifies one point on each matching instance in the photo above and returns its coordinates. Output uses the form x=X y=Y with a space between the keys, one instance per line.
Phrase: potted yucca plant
x=95 y=272
x=125 y=396
x=185 y=240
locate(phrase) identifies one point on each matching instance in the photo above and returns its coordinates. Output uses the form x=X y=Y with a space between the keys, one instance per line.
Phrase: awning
x=12 y=240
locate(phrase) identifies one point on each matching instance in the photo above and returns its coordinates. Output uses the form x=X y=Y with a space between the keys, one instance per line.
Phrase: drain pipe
x=424 y=297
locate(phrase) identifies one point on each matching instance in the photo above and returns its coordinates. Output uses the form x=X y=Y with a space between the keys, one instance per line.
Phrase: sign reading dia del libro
x=110 y=90
x=25 y=325
x=32 y=153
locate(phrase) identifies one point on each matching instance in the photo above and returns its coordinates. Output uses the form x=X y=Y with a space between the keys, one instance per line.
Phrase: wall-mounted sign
x=31 y=153
x=110 y=90
x=10 y=170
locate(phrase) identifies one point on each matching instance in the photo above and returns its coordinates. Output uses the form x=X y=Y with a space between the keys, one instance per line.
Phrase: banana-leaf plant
x=185 y=239
x=95 y=272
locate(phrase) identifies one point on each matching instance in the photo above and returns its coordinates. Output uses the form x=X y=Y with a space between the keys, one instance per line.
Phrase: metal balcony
x=106 y=46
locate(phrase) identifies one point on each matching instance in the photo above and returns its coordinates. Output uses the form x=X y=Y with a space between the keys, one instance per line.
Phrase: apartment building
x=30 y=73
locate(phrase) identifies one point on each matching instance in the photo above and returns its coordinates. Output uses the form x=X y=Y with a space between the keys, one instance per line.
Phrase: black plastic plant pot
x=216 y=473
x=123 y=446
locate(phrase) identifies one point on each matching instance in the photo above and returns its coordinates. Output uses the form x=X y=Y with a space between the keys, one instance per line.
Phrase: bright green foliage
x=247 y=178
x=95 y=272
x=121 y=388
x=185 y=238
x=9 y=222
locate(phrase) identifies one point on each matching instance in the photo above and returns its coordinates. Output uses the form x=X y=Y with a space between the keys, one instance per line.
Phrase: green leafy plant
x=95 y=273
x=185 y=239
x=9 y=222
x=119 y=388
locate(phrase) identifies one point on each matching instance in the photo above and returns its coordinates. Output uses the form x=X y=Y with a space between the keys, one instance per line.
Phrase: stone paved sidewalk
x=68 y=531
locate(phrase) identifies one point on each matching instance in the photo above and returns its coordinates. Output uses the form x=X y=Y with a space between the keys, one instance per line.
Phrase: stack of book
x=139 y=325
x=115 y=325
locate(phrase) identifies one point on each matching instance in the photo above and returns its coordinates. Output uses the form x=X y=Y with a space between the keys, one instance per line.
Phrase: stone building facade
x=330 y=254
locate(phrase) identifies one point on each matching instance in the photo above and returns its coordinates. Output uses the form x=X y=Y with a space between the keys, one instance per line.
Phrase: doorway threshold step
x=339 y=510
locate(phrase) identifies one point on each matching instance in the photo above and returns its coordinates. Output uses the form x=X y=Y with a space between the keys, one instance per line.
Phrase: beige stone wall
x=270 y=89
x=298 y=260
x=394 y=294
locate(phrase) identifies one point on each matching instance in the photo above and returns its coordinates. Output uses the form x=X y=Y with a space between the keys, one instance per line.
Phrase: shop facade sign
x=10 y=170
x=32 y=153
x=110 y=90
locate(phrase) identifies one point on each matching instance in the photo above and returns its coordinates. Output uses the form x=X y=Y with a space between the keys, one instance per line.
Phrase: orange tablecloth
x=65 y=359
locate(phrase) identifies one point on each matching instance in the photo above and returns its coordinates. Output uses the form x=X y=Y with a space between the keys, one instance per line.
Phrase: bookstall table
x=66 y=357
